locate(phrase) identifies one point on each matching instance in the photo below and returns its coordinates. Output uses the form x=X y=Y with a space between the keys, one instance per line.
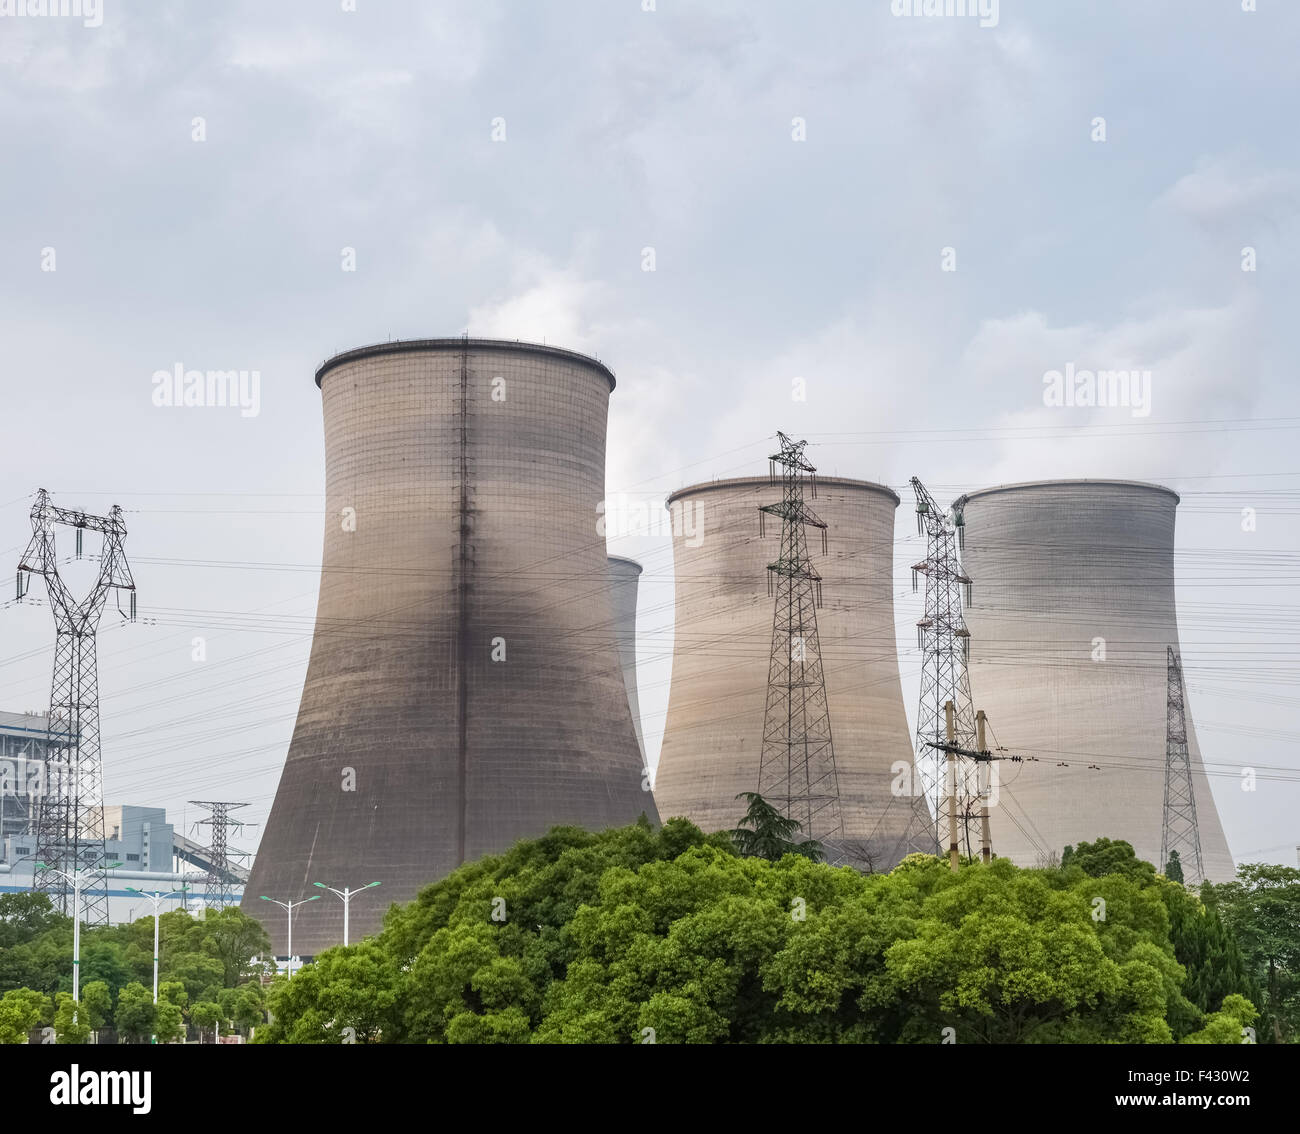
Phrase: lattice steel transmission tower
x=219 y=880
x=69 y=820
x=1180 y=831
x=944 y=642
x=797 y=764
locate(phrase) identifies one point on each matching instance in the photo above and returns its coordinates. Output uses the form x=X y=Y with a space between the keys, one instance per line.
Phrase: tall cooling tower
x=1072 y=612
x=723 y=638
x=623 y=576
x=464 y=687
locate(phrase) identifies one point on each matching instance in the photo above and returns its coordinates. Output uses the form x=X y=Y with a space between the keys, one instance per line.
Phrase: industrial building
x=1071 y=616
x=724 y=615
x=623 y=577
x=153 y=857
x=24 y=748
x=464 y=688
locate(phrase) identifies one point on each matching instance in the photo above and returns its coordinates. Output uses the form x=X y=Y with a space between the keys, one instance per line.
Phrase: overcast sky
x=775 y=258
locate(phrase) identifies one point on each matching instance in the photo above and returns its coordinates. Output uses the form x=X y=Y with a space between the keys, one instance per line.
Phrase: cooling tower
x=464 y=687
x=1071 y=615
x=623 y=576
x=723 y=638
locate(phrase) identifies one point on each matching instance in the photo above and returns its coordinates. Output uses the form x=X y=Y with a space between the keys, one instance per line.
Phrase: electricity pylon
x=217 y=884
x=69 y=823
x=944 y=642
x=1180 y=831
x=797 y=763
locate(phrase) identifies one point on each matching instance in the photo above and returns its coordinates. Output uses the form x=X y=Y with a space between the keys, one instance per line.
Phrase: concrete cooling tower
x=1072 y=614
x=714 y=728
x=623 y=576
x=464 y=689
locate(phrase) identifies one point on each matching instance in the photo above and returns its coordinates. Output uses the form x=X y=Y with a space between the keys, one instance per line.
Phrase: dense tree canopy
x=71 y=1022
x=21 y=1010
x=636 y=935
x=200 y=959
x=1108 y=856
x=135 y=1013
x=639 y=935
x=1261 y=909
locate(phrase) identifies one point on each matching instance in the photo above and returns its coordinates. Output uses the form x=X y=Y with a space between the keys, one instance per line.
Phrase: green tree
x=40 y=958
x=227 y=998
x=765 y=833
x=631 y=933
x=234 y=939
x=1207 y=949
x=1174 y=867
x=173 y=992
x=1002 y=956
x=200 y=973
x=135 y=1015
x=1228 y=1025
x=249 y=1010
x=1262 y=910
x=105 y=961
x=1110 y=856
x=21 y=1009
x=169 y=1022
x=97 y=1002
x=71 y=1020
x=347 y=994
x=26 y=916
x=206 y=1014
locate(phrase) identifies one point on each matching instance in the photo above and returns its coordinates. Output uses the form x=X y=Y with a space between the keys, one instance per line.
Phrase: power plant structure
x=624 y=575
x=1072 y=617
x=464 y=688
x=713 y=734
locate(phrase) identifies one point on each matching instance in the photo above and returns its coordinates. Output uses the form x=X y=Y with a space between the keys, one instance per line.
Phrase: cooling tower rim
x=625 y=559
x=413 y=346
x=1146 y=486
x=737 y=481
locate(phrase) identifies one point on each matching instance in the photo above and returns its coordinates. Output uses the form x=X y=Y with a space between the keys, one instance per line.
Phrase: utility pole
x=797 y=762
x=1180 y=830
x=69 y=821
x=984 y=772
x=218 y=881
x=156 y=898
x=983 y=760
x=347 y=896
x=944 y=642
x=289 y=907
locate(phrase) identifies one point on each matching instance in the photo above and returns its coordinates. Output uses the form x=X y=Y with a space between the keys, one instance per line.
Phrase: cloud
x=1203 y=364
x=59 y=55
x=550 y=304
x=1221 y=192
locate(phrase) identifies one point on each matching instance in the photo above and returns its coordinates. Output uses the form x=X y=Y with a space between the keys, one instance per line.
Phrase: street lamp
x=288 y=906
x=156 y=897
x=75 y=879
x=347 y=896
